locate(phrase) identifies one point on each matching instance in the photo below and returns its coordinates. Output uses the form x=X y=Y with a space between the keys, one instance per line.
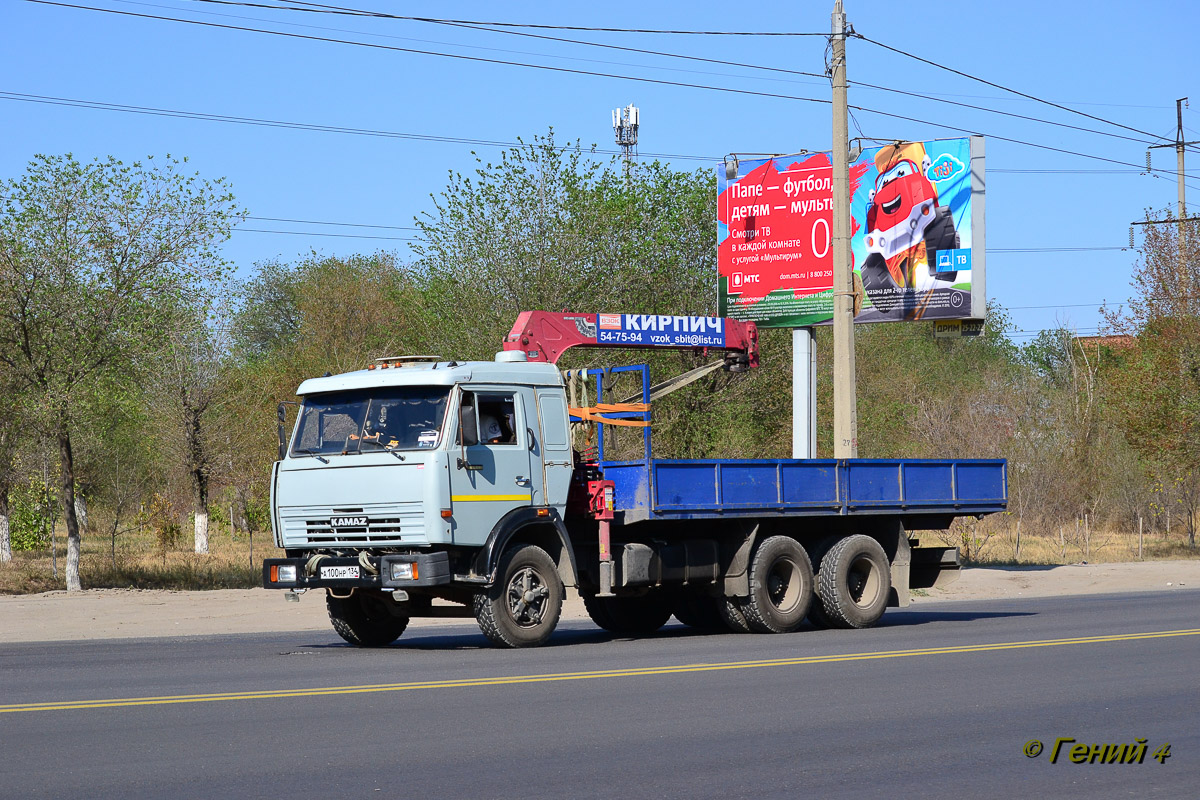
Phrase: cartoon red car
x=905 y=229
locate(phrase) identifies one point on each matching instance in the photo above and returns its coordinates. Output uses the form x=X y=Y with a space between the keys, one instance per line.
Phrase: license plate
x=339 y=573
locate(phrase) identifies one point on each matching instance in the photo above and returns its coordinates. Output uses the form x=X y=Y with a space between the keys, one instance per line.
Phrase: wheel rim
x=527 y=596
x=864 y=582
x=784 y=585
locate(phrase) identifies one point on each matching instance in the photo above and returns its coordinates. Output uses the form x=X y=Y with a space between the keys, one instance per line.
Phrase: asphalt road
x=938 y=701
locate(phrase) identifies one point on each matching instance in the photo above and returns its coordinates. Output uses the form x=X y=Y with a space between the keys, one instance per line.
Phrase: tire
x=817 y=616
x=629 y=616
x=853 y=582
x=781 y=586
x=816 y=612
x=731 y=614
x=699 y=611
x=363 y=619
x=522 y=608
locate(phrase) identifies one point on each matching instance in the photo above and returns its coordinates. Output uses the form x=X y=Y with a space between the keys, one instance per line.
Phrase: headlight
x=404 y=571
x=287 y=573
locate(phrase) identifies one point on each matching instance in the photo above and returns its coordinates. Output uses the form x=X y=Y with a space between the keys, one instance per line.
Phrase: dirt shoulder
x=131 y=613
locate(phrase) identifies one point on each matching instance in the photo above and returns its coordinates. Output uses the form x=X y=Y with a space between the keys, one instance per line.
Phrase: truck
x=426 y=487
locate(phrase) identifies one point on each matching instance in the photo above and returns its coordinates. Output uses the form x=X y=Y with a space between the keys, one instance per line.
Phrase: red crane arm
x=545 y=335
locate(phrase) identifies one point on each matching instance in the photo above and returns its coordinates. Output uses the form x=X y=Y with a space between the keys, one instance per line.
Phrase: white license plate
x=336 y=573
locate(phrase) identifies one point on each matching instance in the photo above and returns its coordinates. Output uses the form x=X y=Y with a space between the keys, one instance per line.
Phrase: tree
x=11 y=430
x=186 y=382
x=1157 y=381
x=551 y=228
x=94 y=260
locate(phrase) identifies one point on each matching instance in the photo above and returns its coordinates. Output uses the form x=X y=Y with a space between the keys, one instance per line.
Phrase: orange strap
x=593 y=413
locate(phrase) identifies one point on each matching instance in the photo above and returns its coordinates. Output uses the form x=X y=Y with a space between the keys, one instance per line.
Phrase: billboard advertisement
x=917 y=242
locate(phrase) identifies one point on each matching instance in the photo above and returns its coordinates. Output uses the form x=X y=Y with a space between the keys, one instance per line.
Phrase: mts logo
x=739 y=279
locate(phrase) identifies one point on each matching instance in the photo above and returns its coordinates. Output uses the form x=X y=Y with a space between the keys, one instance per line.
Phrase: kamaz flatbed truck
x=421 y=479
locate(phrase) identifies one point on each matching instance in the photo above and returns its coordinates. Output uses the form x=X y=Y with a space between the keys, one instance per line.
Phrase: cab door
x=490 y=464
x=557 y=456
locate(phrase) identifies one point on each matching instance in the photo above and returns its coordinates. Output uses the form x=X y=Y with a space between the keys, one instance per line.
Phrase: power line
x=481 y=26
x=1005 y=88
x=999 y=138
x=271 y=123
x=1102 y=304
x=436 y=42
x=541 y=26
x=1051 y=249
x=1067 y=171
x=1067 y=305
x=580 y=72
x=458 y=56
x=340 y=224
x=584 y=72
x=315 y=233
x=322 y=128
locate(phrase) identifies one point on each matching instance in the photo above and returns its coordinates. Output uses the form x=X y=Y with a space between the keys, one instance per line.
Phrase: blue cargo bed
x=683 y=489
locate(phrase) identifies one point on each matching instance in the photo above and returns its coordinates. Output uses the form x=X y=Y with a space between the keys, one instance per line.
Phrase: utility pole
x=845 y=411
x=1179 y=148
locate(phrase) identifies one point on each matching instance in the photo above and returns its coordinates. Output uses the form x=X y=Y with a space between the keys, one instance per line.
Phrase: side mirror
x=468 y=426
x=281 y=416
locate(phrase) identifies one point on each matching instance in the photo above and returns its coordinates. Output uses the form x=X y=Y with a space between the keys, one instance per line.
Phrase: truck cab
x=421 y=453
x=402 y=481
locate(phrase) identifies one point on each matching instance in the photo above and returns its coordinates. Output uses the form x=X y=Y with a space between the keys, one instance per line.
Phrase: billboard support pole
x=804 y=393
x=845 y=413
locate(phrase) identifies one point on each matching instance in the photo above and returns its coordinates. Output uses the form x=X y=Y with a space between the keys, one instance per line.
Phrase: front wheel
x=521 y=609
x=363 y=619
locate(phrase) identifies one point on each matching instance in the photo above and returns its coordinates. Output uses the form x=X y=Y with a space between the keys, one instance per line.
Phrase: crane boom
x=545 y=335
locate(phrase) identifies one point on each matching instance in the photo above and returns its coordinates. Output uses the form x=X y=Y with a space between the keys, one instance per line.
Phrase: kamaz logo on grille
x=348 y=522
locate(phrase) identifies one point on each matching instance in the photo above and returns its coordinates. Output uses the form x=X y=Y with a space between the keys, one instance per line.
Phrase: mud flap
x=934 y=567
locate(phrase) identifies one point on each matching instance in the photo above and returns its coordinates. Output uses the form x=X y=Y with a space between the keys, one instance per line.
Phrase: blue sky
x=1097 y=57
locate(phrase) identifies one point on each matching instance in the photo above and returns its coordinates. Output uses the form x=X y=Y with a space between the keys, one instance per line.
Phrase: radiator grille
x=393 y=523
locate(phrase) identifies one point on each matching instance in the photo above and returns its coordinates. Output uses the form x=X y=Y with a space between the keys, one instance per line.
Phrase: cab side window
x=495 y=416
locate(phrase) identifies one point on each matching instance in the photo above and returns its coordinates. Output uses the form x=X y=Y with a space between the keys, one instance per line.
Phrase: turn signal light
x=285 y=573
x=446 y=513
x=543 y=512
x=404 y=571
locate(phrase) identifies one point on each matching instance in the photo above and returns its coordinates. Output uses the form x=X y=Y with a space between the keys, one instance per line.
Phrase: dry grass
x=140 y=563
x=994 y=541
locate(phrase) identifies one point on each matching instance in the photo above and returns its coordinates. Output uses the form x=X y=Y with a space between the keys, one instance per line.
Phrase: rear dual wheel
x=781 y=586
x=853 y=584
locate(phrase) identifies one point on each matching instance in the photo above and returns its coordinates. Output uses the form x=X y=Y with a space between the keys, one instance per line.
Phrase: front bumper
x=429 y=569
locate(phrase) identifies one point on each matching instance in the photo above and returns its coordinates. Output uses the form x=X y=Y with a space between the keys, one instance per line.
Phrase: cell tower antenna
x=625 y=128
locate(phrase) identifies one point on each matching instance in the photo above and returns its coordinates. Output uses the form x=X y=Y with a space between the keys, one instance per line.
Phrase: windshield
x=370 y=420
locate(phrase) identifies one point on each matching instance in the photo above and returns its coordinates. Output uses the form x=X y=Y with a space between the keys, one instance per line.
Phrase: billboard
x=917 y=241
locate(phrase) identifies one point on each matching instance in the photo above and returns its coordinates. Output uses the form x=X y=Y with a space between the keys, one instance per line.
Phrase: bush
x=30 y=515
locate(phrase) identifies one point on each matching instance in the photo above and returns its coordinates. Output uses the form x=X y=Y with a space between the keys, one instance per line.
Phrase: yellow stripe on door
x=469 y=498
